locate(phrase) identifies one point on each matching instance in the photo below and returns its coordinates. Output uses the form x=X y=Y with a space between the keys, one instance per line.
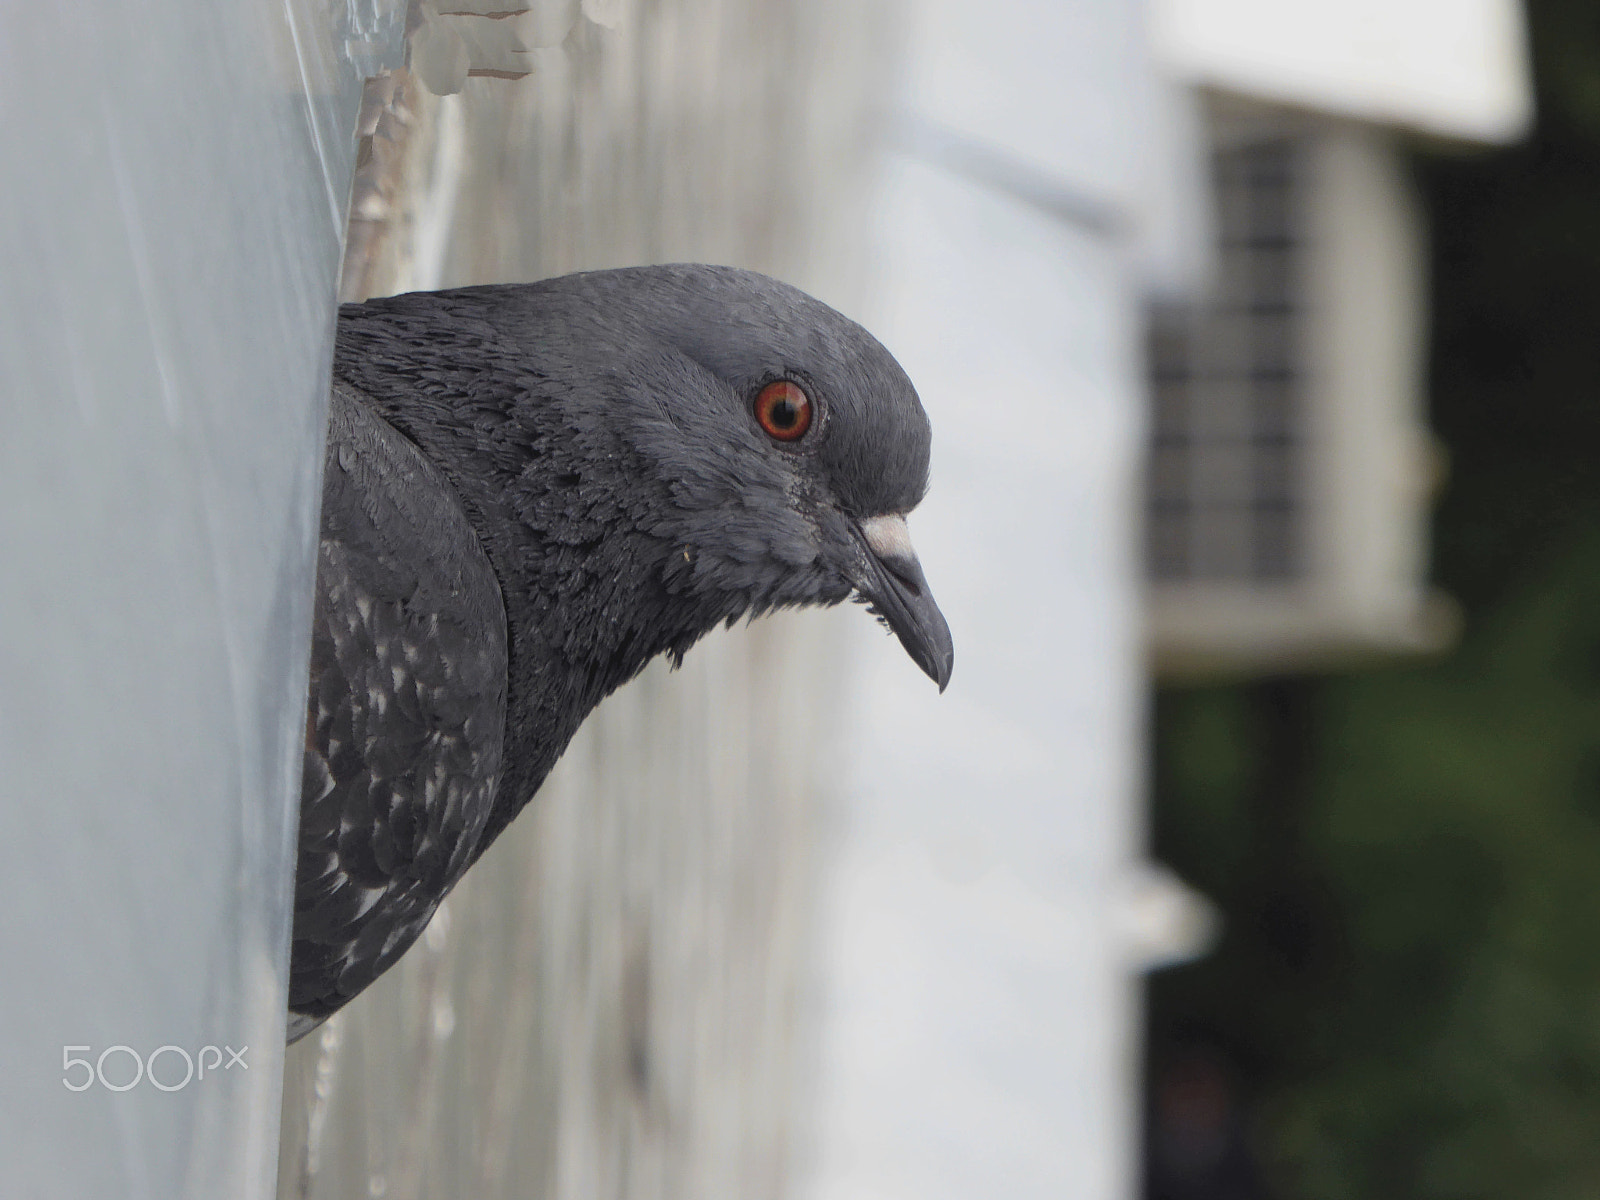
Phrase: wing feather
x=406 y=712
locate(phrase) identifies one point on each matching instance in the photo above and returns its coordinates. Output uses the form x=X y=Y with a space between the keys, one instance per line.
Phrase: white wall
x=174 y=179
x=980 y=1017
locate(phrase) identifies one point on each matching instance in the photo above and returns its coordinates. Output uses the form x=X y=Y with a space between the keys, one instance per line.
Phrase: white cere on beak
x=888 y=536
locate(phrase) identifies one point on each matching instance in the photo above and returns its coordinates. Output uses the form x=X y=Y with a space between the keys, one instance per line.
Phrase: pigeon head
x=791 y=441
x=703 y=431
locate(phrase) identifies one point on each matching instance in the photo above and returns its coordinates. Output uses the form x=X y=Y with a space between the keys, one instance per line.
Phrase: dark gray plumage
x=530 y=492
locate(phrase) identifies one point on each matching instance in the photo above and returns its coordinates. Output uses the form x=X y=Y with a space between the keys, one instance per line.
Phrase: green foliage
x=1408 y=860
x=1431 y=1025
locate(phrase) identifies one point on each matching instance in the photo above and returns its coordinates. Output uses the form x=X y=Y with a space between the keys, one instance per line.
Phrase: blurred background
x=1405 y=995
x=1246 y=855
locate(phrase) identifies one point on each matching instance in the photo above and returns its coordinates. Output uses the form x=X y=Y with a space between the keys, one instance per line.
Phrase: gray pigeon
x=530 y=492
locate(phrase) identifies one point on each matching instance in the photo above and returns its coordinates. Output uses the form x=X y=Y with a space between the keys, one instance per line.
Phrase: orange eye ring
x=783 y=410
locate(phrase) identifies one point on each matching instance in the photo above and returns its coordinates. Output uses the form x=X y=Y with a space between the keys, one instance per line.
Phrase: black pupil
x=784 y=413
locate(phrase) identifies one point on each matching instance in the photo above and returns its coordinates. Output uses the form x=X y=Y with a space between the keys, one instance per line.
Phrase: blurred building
x=1291 y=470
x=890 y=953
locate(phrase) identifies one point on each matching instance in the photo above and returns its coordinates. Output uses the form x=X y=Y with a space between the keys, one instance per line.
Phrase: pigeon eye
x=783 y=410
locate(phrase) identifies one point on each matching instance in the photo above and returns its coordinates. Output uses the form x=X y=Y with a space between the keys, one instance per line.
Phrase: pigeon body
x=529 y=492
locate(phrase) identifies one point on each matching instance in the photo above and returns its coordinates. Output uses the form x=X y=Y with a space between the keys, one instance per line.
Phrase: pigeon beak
x=897 y=590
